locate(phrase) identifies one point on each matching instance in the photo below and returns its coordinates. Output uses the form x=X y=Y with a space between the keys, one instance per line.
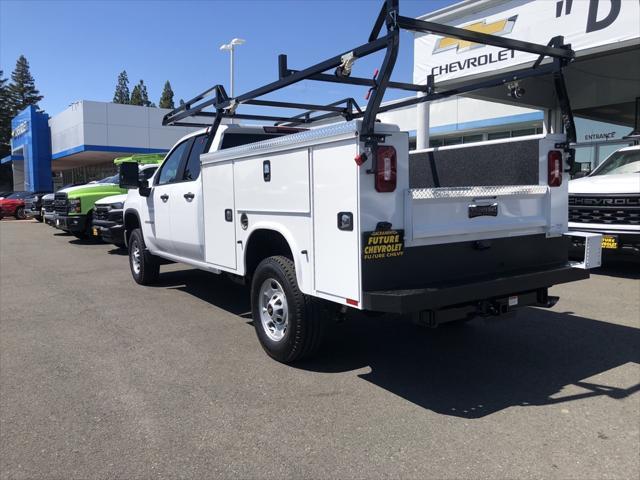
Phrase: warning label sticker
x=384 y=244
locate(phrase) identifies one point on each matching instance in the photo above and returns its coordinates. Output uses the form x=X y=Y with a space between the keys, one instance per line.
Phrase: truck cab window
x=170 y=167
x=147 y=173
x=192 y=168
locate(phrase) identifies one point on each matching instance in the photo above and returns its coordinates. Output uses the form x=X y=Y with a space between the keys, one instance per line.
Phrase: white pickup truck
x=607 y=201
x=323 y=219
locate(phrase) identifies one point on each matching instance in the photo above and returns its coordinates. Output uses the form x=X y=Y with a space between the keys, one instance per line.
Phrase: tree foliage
x=136 y=96
x=166 y=99
x=121 y=94
x=5 y=117
x=140 y=96
x=22 y=89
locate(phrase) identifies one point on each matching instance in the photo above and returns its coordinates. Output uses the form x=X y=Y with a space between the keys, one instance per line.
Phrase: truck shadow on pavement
x=629 y=268
x=471 y=370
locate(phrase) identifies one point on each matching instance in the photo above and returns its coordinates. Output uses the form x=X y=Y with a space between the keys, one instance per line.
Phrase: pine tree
x=144 y=94
x=136 y=96
x=121 y=94
x=22 y=89
x=166 y=99
x=5 y=117
x=140 y=96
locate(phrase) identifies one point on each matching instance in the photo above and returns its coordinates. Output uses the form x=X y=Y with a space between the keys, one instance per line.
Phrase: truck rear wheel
x=286 y=320
x=144 y=268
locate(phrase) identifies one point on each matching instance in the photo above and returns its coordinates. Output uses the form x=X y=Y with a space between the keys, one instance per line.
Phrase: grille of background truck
x=30 y=204
x=60 y=203
x=101 y=212
x=605 y=209
x=48 y=205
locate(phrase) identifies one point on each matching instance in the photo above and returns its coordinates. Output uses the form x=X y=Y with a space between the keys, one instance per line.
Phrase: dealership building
x=80 y=143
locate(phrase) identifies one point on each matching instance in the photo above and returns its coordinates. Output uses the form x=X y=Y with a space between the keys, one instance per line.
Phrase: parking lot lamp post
x=230 y=47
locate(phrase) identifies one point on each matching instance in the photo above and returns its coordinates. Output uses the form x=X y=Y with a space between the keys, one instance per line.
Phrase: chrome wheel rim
x=135 y=257
x=274 y=310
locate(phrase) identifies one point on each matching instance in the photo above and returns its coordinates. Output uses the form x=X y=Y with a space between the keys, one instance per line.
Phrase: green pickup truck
x=74 y=207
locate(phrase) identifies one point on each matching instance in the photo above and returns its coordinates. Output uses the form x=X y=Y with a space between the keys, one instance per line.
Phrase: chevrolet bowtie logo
x=500 y=27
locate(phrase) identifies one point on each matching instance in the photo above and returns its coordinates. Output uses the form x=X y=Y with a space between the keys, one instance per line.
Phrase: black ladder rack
x=221 y=106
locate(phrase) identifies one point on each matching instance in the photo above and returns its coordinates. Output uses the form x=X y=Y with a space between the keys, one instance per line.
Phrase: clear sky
x=77 y=48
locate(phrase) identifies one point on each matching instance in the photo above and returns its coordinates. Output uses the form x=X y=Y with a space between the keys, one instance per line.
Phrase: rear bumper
x=415 y=300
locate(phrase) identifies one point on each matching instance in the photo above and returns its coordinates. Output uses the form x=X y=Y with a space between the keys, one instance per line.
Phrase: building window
x=523 y=132
x=435 y=142
x=452 y=141
x=472 y=138
x=498 y=135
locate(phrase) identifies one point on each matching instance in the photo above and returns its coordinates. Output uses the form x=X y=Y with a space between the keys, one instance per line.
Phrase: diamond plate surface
x=473 y=192
x=284 y=141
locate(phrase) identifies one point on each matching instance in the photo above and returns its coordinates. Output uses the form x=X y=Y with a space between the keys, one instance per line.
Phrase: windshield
x=113 y=179
x=18 y=195
x=620 y=162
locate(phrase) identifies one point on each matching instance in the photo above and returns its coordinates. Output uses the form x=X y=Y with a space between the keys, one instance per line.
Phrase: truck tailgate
x=452 y=214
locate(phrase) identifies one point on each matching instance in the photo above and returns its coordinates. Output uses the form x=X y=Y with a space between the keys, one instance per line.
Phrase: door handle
x=189 y=196
x=164 y=197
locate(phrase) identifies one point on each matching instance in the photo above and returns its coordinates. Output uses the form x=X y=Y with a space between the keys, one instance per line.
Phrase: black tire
x=147 y=269
x=119 y=245
x=19 y=213
x=303 y=332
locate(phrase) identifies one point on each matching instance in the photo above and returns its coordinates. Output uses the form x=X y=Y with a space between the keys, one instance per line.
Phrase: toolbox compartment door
x=219 y=214
x=336 y=258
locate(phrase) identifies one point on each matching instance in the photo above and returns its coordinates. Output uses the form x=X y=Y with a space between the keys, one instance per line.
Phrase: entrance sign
x=584 y=24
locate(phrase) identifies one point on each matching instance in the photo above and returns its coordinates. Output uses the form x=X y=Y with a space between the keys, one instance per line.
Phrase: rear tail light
x=386 y=169
x=554 y=168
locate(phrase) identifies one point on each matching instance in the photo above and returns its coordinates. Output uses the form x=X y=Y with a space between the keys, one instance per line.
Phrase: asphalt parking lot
x=101 y=378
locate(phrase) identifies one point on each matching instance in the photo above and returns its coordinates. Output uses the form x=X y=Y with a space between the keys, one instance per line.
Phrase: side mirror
x=129 y=175
x=144 y=188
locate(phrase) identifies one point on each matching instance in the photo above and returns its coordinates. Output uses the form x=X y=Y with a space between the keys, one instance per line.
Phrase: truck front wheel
x=287 y=321
x=144 y=267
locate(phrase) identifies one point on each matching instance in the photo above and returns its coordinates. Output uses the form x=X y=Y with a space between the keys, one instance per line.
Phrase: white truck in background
x=607 y=201
x=324 y=219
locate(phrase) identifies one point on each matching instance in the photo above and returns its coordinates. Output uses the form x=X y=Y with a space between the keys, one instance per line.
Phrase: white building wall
x=454 y=111
x=104 y=124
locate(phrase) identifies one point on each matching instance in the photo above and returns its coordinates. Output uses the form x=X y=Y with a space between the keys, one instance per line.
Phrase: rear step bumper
x=414 y=300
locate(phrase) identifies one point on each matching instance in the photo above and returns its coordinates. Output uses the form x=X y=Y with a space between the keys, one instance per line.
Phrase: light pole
x=231 y=48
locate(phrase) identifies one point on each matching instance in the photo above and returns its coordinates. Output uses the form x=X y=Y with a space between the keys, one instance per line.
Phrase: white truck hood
x=121 y=197
x=623 y=183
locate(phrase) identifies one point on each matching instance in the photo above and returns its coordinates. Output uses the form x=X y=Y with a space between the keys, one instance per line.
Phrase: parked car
x=48 y=209
x=13 y=205
x=108 y=222
x=607 y=201
x=4 y=194
x=74 y=207
x=33 y=206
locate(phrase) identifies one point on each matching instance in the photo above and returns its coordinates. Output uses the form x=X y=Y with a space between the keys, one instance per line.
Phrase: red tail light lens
x=386 y=169
x=554 y=167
